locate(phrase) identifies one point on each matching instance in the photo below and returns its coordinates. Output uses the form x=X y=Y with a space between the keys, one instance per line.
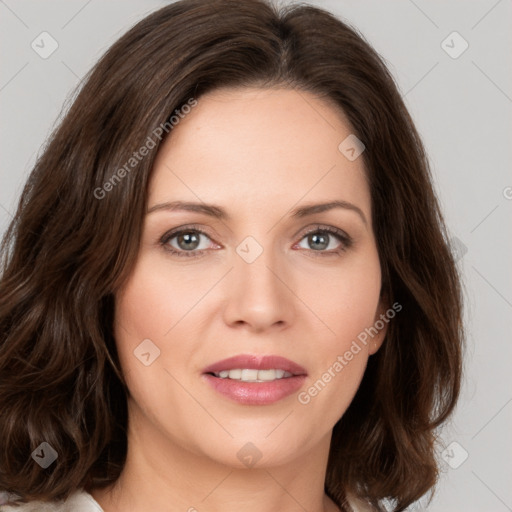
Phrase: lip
x=255 y=362
x=256 y=393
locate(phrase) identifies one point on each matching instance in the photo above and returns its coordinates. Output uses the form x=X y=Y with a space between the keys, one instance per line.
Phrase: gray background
x=462 y=108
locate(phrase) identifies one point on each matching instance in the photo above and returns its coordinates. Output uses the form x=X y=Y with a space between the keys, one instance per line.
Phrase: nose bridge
x=257 y=293
x=253 y=264
x=253 y=267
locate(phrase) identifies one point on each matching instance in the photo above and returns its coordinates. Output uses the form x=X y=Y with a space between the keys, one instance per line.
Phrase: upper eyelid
x=176 y=231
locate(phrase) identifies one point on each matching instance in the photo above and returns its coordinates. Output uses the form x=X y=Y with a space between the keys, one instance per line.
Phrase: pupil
x=316 y=238
x=189 y=238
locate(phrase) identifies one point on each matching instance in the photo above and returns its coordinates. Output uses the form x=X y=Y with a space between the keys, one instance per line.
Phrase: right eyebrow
x=207 y=209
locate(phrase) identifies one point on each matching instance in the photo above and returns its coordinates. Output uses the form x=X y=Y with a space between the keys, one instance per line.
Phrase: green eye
x=187 y=241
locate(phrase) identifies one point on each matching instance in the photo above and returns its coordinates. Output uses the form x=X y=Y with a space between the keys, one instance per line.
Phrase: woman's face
x=249 y=276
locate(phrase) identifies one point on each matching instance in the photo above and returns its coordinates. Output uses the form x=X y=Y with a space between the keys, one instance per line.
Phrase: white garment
x=79 y=501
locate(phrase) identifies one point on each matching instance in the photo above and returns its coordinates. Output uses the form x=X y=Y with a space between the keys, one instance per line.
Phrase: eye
x=185 y=242
x=322 y=240
x=189 y=241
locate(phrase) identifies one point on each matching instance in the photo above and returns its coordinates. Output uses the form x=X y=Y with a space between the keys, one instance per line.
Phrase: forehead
x=256 y=148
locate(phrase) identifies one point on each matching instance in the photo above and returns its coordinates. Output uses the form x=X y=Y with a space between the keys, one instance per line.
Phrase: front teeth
x=253 y=375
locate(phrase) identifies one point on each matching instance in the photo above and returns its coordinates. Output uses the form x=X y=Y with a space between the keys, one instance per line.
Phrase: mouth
x=255 y=380
x=251 y=375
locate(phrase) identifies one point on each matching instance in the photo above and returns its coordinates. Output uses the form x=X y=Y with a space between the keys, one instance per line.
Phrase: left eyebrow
x=311 y=209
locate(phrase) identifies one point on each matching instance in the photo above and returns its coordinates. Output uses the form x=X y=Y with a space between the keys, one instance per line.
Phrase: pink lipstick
x=255 y=379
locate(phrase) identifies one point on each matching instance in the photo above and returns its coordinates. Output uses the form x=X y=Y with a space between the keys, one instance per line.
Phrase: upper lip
x=256 y=362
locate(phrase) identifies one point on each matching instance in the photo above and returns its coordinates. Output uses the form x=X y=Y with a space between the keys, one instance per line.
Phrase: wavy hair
x=70 y=247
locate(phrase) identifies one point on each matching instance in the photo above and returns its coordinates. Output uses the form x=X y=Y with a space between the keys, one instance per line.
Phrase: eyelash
x=345 y=240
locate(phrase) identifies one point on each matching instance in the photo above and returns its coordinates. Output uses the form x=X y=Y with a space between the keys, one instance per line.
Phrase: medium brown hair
x=68 y=250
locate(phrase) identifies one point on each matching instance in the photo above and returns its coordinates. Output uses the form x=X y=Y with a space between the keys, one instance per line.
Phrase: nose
x=260 y=294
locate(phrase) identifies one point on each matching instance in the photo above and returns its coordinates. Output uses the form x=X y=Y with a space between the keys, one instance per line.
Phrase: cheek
x=149 y=307
x=345 y=300
x=346 y=304
x=153 y=306
x=154 y=301
x=341 y=354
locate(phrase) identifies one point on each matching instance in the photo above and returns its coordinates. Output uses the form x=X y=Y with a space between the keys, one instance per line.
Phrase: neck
x=161 y=474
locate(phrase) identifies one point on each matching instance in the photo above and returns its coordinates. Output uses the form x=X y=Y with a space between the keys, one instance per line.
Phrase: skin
x=257 y=154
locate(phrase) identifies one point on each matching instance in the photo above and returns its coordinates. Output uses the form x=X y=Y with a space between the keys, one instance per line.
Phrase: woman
x=228 y=285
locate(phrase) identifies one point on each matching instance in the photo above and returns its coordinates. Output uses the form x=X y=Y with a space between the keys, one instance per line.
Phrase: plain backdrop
x=461 y=101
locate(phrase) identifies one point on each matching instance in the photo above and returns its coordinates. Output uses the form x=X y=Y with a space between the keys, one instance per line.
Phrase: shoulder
x=79 y=501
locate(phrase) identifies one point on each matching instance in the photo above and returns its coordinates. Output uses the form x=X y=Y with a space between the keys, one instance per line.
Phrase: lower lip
x=256 y=393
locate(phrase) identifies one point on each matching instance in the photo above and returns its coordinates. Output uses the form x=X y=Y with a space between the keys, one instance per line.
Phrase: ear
x=380 y=324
